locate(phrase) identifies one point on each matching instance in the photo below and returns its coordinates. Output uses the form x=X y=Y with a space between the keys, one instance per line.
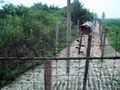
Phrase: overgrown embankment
x=113 y=35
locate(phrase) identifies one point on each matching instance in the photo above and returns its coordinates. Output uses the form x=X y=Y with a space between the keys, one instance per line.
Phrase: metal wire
x=100 y=74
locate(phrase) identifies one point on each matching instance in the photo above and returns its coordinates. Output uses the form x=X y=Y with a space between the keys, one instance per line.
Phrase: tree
x=103 y=15
x=76 y=10
x=80 y=13
x=40 y=6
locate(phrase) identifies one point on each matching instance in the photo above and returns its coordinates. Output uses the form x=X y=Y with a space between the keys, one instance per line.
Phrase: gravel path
x=101 y=76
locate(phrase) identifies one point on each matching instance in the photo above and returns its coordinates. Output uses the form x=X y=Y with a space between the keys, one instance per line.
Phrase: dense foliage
x=113 y=29
x=31 y=32
x=80 y=13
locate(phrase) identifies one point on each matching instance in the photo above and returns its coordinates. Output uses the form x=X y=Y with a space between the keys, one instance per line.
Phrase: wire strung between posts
x=58 y=58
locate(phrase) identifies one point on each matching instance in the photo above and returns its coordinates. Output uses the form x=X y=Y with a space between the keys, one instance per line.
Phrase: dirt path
x=99 y=78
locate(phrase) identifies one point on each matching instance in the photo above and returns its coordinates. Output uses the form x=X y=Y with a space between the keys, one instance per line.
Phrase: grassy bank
x=113 y=35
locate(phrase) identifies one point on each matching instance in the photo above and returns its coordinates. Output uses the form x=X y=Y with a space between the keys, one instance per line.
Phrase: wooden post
x=101 y=36
x=68 y=36
x=80 y=38
x=78 y=30
x=68 y=40
x=56 y=36
x=80 y=43
x=99 y=28
x=87 y=62
x=47 y=75
x=103 y=44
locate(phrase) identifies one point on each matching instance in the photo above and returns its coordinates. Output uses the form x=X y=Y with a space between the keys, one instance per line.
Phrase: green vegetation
x=80 y=13
x=31 y=32
x=113 y=29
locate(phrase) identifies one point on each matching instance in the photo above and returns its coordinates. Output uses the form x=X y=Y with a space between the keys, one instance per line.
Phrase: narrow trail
x=99 y=78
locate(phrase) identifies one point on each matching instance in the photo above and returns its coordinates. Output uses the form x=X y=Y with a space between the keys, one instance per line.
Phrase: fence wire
x=103 y=73
x=102 y=76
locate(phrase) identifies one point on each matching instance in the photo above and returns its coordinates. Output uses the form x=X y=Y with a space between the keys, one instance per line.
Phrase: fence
x=97 y=70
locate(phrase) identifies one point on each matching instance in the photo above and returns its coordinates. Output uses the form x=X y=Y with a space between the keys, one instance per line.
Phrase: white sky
x=110 y=7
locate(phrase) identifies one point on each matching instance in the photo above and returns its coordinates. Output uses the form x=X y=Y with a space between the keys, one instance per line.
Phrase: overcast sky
x=110 y=7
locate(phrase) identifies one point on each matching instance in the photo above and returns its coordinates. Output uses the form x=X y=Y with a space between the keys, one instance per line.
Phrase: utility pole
x=68 y=36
